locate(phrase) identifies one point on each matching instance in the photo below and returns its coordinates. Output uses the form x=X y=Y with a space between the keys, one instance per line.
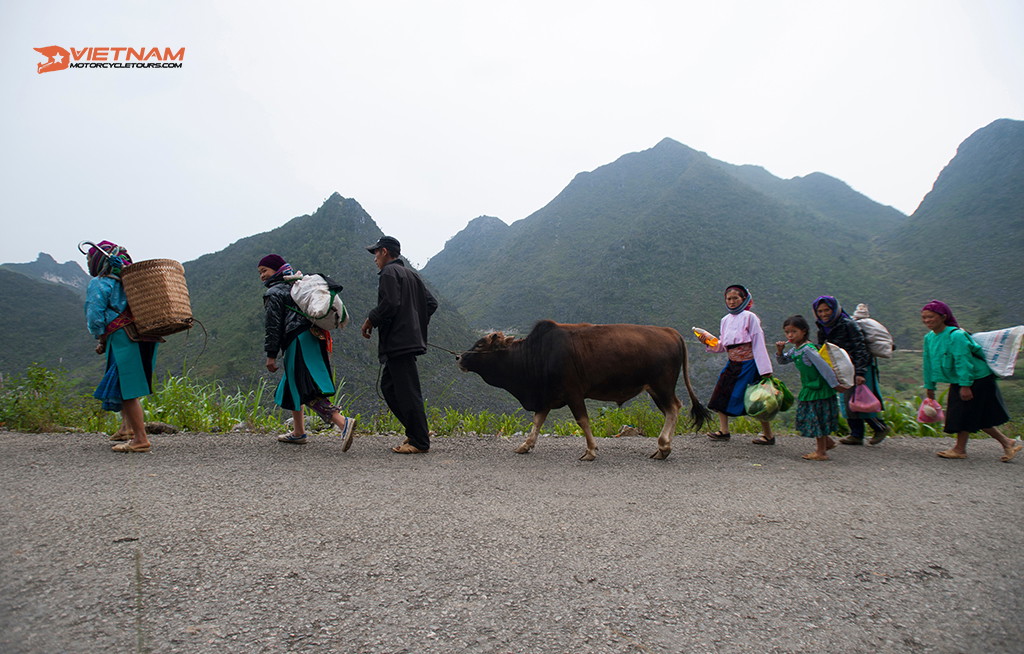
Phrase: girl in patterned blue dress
x=817 y=413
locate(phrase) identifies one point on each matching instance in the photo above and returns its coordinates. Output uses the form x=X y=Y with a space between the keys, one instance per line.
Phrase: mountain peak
x=46 y=268
x=990 y=161
x=483 y=223
x=668 y=143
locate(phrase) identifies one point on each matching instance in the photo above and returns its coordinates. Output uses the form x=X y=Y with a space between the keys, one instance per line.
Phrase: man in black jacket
x=404 y=307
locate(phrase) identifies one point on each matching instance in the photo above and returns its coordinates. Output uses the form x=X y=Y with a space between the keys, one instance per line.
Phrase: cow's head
x=482 y=350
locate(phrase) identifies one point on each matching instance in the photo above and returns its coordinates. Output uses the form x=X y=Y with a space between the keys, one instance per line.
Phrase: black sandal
x=761 y=440
x=719 y=435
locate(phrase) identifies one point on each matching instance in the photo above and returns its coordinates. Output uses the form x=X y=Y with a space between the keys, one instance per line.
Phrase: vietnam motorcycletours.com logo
x=58 y=58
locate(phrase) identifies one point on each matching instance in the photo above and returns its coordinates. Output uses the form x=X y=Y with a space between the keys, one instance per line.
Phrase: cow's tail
x=699 y=414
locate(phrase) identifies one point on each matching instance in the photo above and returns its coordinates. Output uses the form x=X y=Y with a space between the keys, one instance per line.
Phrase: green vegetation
x=43 y=400
x=640 y=240
x=195 y=406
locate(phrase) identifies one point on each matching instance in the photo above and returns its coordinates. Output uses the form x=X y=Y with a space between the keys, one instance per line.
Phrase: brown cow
x=558 y=365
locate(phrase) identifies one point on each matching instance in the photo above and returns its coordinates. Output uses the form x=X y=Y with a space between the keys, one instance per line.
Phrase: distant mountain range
x=43 y=323
x=657 y=235
x=46 y=269
x=965 y=243
x=227 y=297
x=653 y=237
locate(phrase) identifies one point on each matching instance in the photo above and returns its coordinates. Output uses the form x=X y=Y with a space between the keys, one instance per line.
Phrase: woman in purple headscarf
x=974 y=403
x=305 y=352
x=130 y=359
x=836 y=326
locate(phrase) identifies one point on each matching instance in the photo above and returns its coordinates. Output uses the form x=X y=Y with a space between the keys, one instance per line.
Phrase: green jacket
x=952 y=356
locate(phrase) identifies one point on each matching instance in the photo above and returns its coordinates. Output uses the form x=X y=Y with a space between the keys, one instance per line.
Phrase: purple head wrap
x=837 y=312
x=943 y=310
x=107 y=258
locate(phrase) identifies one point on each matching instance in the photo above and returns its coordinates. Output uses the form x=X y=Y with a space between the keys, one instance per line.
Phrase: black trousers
x=400 y=384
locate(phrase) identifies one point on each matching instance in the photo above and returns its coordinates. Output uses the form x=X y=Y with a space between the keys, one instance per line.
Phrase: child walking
x=817 y=413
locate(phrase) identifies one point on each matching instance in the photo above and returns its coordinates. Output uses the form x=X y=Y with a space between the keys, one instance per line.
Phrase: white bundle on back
x=318 y=300
x=839 y=360
x=876 y=336
x=1000 y=348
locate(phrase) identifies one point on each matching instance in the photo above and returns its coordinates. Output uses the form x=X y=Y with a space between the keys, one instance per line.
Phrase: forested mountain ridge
x=45 y=268
x=227 y=297
x=46 y=324
x=656 y=235
x=964 y=243
x=653 y=237
x=43 y=323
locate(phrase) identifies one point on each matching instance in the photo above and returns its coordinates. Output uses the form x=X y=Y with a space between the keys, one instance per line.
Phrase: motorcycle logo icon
x=57 y=58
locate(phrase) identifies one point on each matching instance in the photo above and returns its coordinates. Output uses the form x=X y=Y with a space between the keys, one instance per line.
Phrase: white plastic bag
x=318 y=300
x=840 y=362
x=1000 y=348
x=877 y=337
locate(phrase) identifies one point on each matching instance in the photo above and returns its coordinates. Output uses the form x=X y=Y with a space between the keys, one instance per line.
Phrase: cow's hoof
x=589 y=455
x=661 y=454
x=523 y=449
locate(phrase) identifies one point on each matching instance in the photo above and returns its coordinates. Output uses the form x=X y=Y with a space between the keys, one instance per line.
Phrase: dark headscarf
x=272 y=261
x=837 y=313
x=106 y=258
x=275 y=262
x=943 y=310
x=748 y=300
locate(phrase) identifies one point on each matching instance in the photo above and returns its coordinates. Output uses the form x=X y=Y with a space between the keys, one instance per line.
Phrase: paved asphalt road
x=235 y=543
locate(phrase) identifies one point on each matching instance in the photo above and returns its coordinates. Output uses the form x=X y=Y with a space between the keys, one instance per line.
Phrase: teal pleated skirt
x=129 y=372
x=307 y=373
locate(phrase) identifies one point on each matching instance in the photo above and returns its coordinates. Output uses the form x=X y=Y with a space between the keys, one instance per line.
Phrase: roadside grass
x=42 y=401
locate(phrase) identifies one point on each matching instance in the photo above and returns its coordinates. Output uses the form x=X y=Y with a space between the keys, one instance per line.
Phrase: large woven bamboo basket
x=158 y=296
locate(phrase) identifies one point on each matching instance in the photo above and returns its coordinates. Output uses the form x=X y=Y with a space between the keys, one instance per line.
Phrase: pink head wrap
x=943 y=310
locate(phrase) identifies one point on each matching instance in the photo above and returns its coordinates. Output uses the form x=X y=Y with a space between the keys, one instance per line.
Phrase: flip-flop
x=761 y=440
x=814 y=456
x=122 y=435
x=719 y=435
x=950 y=454
x=128 y=447
x=1011 y=452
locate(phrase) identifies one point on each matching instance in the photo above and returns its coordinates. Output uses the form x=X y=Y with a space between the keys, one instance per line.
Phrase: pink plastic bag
x=930 y=411
x=864 y=401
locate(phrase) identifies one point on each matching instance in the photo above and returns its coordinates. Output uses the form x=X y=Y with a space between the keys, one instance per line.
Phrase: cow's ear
x=509 y=340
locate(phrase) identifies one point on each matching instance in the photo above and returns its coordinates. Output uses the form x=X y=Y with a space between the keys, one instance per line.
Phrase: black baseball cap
x=389 y=242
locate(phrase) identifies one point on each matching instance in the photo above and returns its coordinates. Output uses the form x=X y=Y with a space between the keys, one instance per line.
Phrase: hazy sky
x=432 y=113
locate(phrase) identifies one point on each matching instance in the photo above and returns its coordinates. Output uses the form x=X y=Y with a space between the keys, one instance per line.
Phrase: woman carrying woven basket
x=129 y=372
x=306 y=371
